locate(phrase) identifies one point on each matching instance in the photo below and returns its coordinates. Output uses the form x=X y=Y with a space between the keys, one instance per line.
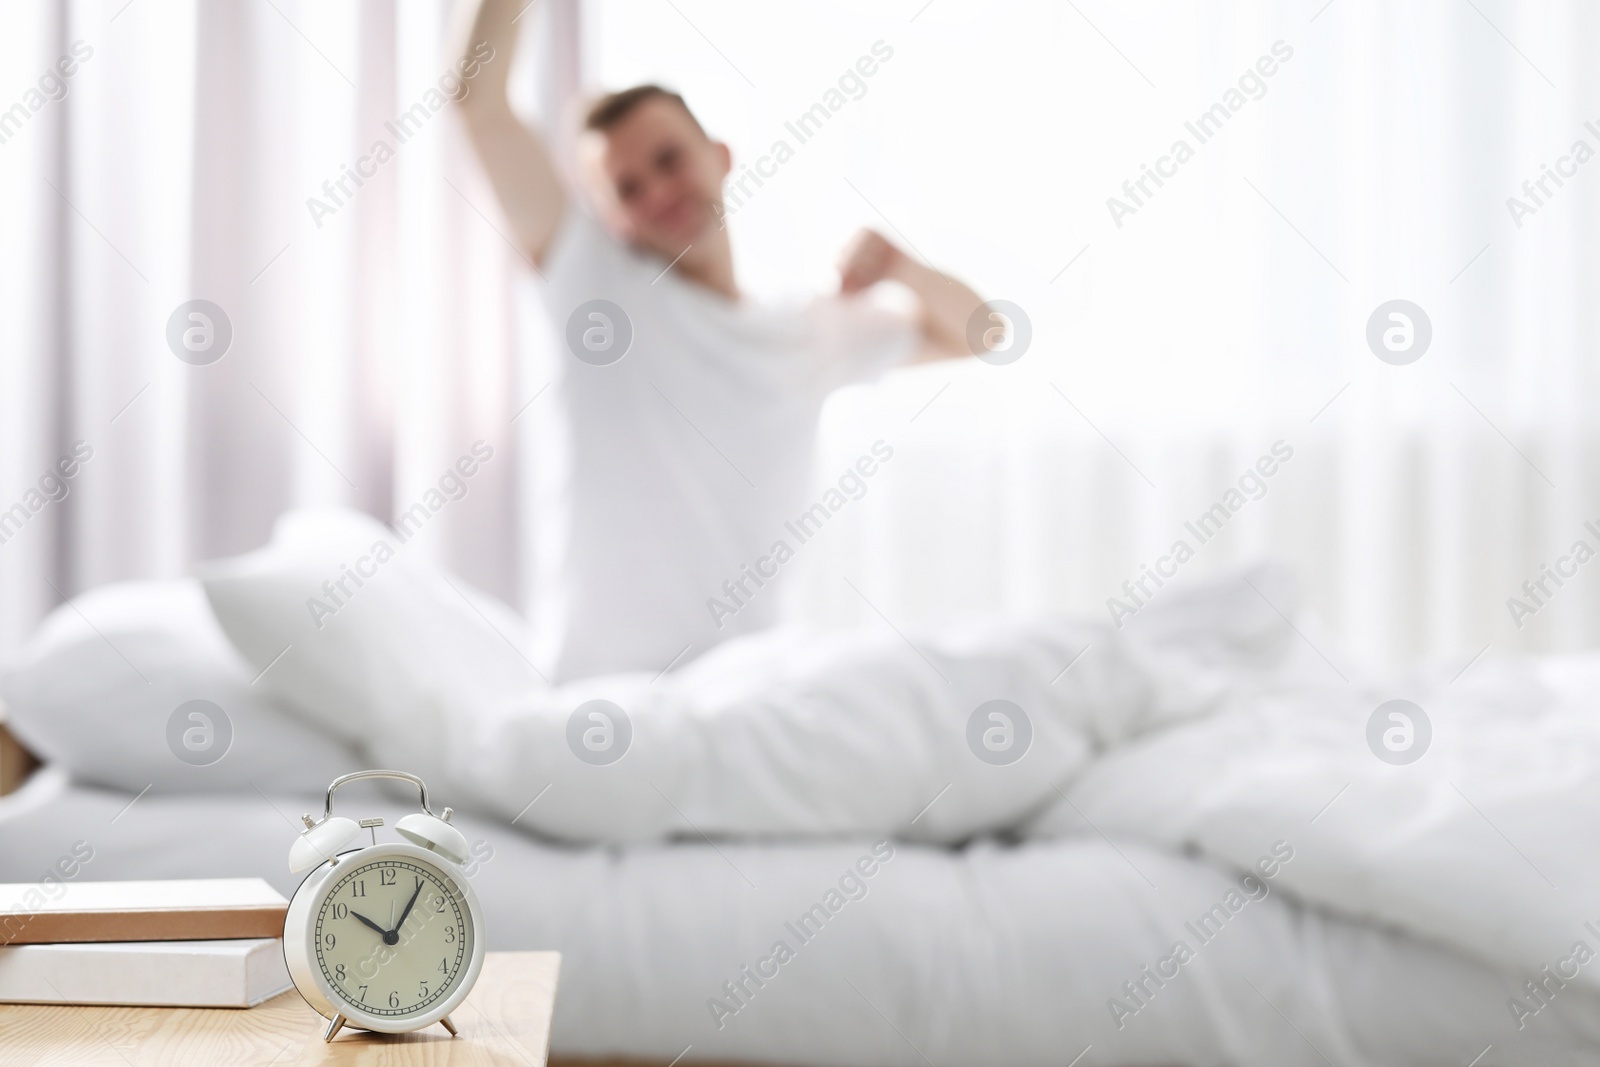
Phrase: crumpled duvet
x=1209 y=723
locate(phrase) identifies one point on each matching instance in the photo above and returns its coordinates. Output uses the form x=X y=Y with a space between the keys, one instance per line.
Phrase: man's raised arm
x=517 y=160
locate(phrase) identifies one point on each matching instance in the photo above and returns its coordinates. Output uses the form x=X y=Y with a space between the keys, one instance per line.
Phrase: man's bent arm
x=946 y=305
x=518 y=162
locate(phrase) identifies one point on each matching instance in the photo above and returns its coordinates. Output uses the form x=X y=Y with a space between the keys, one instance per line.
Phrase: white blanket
x=1489 y=843
x=793 y=735
x=1208 y=722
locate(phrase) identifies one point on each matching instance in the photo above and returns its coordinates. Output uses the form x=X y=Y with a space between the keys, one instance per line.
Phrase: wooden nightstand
x=505 y=1021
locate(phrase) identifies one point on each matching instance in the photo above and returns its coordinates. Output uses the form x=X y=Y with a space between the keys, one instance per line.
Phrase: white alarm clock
x=386 y=937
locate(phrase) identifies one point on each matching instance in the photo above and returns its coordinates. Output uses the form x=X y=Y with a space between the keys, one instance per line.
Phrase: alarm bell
x=322 y=842
x=435 y=834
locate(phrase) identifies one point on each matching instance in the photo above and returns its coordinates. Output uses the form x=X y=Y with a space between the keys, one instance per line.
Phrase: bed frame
x=16 y=762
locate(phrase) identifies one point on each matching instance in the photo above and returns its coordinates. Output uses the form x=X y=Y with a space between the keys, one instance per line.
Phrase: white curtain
x=1228 y=312
x=1169 y=353
x=373 y=337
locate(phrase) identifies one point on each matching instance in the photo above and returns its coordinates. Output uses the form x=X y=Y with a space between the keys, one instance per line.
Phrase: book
x=238 y=973
x=204 y=909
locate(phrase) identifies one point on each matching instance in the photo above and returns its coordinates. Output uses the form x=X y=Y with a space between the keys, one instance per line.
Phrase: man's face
x=657 y=177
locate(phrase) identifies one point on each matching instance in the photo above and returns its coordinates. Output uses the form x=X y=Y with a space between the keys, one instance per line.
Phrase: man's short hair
x=612 y=108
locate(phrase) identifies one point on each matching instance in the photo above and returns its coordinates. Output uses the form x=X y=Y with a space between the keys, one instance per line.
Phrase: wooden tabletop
x=505 y=1020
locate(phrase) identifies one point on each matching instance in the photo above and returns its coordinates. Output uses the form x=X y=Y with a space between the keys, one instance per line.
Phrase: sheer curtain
x=203 y=151
x=1174 y=345
x=373 y=342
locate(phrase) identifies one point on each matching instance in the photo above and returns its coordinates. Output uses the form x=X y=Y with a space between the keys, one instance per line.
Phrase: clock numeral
x=423 y=986
x=338 y=972
x=328 y=941
x=341 y=911
x=358 y=888
x=394 y=999
x=442 y=968
x=387 y=875
x=363 y=994
x=440 y=909
x=449 y=935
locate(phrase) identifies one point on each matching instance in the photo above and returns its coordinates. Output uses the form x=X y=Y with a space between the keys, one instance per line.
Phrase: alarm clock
x=385 y=937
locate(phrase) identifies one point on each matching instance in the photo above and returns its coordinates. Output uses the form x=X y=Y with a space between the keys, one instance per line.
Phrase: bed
x=808 y=852
x=988 y=954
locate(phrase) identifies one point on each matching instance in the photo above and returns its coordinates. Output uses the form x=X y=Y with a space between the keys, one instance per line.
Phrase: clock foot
x=335 y=1024
x=448 y=1025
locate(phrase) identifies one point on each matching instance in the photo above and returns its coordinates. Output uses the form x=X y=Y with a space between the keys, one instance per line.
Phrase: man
x=680 y=430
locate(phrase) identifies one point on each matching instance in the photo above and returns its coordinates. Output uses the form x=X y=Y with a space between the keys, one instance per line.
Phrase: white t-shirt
x=663 y=474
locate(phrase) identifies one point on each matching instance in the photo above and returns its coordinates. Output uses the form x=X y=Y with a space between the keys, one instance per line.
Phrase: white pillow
x=104 y=686
x=352 y=627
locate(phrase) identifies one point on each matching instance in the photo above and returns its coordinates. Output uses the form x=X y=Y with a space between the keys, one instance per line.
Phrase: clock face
x=393 y=937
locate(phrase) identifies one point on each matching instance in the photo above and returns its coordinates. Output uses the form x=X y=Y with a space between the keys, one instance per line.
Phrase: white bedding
x=990 y=955
x=1210 y=721
x=1210 y=727
x=1490 y=842
x=791 y=734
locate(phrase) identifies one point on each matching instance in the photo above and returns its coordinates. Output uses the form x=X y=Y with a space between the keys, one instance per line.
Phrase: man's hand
x=868 y=259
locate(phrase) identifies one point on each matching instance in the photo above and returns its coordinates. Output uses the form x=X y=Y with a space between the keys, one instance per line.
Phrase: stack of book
x=212 y=943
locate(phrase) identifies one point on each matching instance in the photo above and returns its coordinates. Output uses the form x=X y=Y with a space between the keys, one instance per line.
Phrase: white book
x=193 y=974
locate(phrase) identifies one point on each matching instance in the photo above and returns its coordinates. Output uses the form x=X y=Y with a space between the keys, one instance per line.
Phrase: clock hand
x=369 y=922
x=409 y=903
